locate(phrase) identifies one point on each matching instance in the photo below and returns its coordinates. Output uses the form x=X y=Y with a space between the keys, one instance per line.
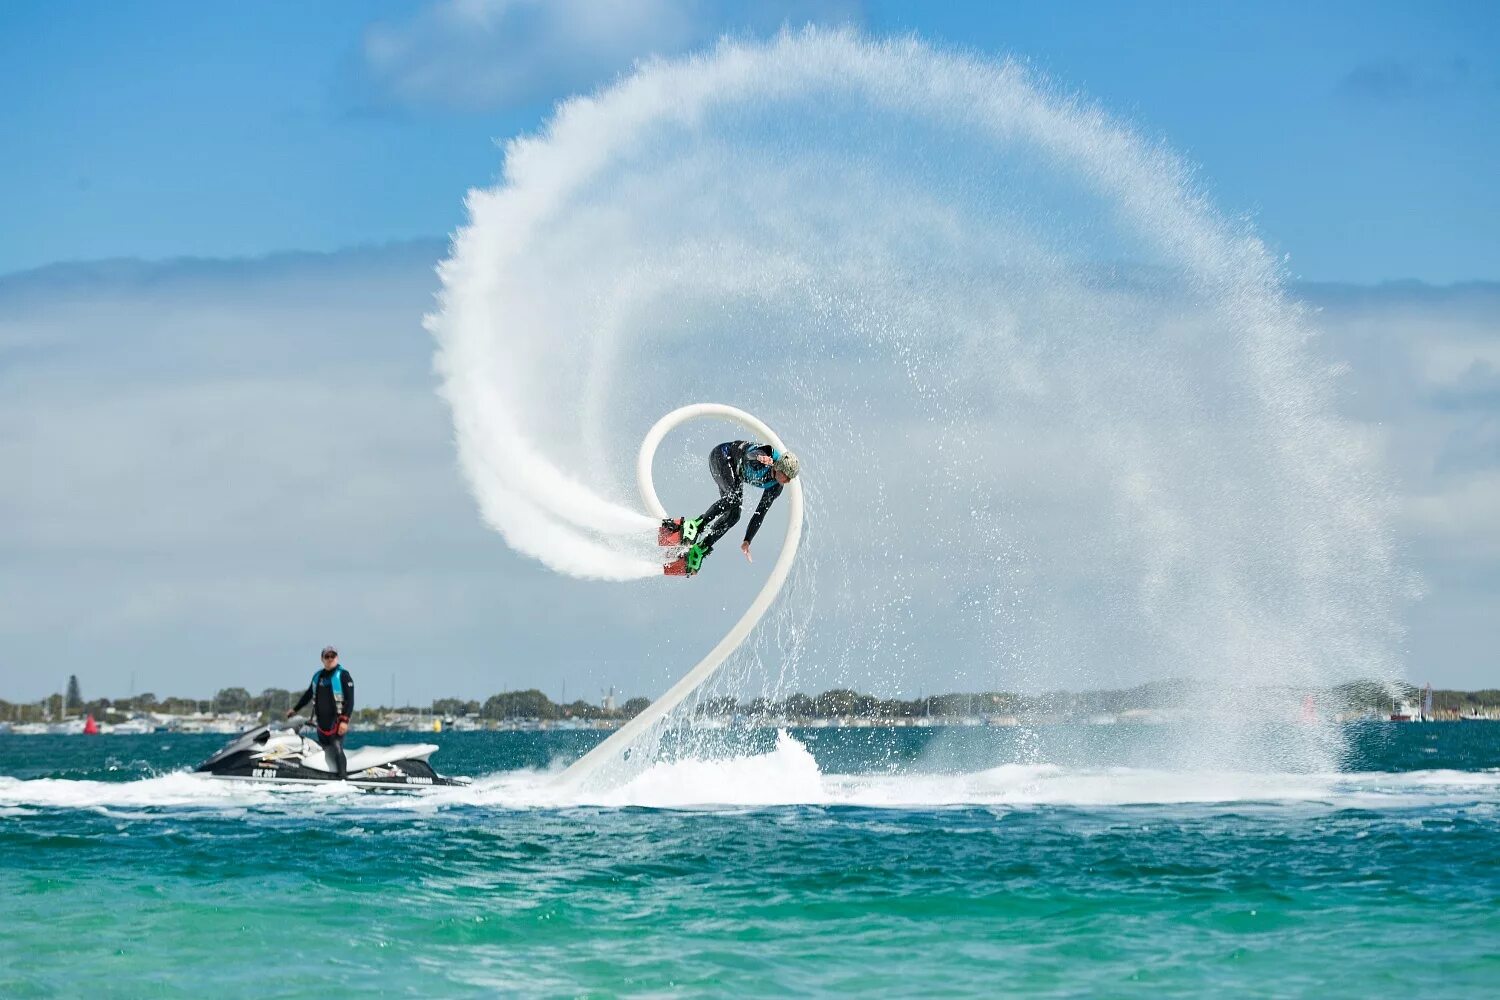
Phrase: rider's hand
x=745 y=548
x=343 y=728
x=289 y=713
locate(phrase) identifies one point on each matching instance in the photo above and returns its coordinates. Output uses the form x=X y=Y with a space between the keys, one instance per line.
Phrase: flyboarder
x=732 y=464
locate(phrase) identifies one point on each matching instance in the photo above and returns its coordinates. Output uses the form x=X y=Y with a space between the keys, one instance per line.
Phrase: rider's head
x=330 y=657
x=786 y=467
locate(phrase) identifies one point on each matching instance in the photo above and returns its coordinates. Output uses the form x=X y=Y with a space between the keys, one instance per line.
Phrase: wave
x=786 y=776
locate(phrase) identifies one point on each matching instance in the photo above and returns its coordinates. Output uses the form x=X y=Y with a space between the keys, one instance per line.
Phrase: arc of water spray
x=615 y=746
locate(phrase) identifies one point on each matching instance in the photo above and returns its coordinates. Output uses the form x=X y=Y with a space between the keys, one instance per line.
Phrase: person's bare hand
x=745 y=548
x=343 y=728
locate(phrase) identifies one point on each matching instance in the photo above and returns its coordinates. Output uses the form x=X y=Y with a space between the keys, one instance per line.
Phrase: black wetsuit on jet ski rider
x=332 y=694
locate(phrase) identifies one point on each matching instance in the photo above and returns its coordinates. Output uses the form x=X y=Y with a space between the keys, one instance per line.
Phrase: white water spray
x=613 y=748
x=1059 y=421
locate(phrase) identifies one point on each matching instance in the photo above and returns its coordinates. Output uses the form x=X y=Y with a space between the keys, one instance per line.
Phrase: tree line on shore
x=835 y=703
x=275 y=701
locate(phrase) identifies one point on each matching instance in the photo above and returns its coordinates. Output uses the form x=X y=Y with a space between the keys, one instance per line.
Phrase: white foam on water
x=175 y=790
x=786 y=776
x=789 y=775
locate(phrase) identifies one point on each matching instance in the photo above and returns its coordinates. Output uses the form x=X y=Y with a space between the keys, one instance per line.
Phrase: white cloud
x=1418 y=362
x=1463 y=517
x=1447 y=360
x=211 y=469
x=476 y=54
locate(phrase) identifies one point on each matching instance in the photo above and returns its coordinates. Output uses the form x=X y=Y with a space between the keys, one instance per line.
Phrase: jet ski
x=279 y=753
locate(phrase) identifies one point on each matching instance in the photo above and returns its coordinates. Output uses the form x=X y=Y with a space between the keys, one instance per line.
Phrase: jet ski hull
x=276 y=754
x=397 y=774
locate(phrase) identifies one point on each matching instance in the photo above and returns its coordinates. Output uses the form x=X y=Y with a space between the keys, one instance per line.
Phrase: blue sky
x=1357 y=135
x=245 y=458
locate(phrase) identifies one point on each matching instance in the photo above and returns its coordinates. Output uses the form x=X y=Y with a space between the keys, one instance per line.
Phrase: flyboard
x=615 y=746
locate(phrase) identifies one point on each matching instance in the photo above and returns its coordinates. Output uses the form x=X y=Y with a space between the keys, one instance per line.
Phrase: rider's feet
x=670 y=532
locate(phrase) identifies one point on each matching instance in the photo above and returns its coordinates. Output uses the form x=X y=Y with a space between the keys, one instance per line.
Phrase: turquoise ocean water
x=942 y=862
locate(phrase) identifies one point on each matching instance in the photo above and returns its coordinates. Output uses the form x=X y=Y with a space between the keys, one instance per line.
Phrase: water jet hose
x=614 y=747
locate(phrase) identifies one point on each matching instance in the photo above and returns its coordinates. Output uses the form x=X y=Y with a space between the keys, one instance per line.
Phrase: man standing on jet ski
x=332 y=695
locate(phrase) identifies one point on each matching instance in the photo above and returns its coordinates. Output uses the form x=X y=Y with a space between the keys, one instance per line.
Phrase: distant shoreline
x=232 y=724
x=1151 y=703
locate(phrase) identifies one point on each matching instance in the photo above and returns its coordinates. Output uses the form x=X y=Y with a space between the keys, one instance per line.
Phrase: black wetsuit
x=332 y=704
x=732 y=465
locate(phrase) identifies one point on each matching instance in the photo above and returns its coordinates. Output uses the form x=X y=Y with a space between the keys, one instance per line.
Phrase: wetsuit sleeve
x=307 y=696
x=766 y=499
x=348 y=696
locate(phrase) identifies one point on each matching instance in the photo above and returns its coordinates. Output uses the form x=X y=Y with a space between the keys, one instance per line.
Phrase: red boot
x=690 y=563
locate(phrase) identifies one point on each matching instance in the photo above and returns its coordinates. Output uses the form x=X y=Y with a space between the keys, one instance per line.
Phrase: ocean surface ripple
x=810 y=863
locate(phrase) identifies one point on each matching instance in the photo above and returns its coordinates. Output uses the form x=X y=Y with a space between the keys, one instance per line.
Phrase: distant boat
x=1474 y=715
x=1407 y=712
